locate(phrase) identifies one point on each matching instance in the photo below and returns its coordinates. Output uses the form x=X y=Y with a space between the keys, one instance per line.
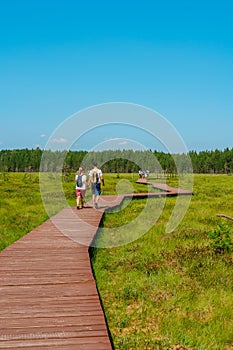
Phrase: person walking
x=80 y=180
x=96 y=179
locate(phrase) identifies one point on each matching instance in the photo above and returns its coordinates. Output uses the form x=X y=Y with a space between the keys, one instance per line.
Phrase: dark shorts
x=80 y=193
x=96 y=188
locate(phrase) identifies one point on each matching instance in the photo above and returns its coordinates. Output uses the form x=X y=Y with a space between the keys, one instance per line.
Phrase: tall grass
x=21 y=207
x=170 y=291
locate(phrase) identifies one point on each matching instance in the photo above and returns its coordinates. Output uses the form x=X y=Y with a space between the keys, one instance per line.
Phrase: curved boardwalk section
x=165 y=189
x=48 y=296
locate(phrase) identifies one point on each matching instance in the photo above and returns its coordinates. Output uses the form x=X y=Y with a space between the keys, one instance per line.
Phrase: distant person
x=80 y=180
x=146 y=174
x=140 y=173
x=95 y=178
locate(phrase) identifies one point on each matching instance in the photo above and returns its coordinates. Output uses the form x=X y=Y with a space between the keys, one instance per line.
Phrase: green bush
x=221 y=239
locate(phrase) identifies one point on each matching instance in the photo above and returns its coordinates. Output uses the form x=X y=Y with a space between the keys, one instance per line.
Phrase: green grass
x=21 y=207
x=163 y=290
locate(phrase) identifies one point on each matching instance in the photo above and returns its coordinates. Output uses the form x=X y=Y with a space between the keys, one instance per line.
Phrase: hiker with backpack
x=80 y=180
x=95 y=178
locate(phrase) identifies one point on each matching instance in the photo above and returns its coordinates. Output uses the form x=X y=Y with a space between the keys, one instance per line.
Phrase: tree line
x=117 y=161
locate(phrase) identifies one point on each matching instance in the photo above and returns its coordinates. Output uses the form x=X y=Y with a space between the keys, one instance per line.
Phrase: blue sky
x=60 y=57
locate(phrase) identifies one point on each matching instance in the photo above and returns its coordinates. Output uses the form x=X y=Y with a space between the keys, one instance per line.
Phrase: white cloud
x=117 y=141
x=42 y=136
x=124 y=143
x=60 y=140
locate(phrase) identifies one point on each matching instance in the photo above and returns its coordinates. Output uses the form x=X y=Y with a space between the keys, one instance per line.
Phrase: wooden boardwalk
x=48 y=295
x=165 y=189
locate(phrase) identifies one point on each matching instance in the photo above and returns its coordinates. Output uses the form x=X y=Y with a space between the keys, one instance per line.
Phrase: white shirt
x=98 y=171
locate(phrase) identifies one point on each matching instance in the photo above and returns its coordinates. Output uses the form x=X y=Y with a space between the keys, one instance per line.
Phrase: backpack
x=79 y=181
x=95 y=177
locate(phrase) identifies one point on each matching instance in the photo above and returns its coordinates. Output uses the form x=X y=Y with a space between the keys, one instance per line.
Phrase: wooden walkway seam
x=48 y=295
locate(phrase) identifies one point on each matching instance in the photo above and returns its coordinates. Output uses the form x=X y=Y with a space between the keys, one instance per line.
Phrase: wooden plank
x=59 y=343
x=225 y=216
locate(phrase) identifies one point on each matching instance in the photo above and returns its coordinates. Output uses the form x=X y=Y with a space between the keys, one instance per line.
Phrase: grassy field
x=172 y=291
x=164 y=290
x=21 y=208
